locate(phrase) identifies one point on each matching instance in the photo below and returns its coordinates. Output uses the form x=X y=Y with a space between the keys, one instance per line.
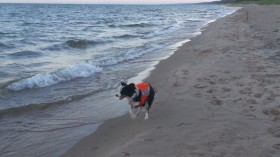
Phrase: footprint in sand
x=182 y=124
x=216 y=101
x=246 y=91
x=210 y=91
x=251 y=101
x=205 y=52
x=148 y=140
x=158 y=127
x=239 y=84
x=235 y=77
x=223 y=81
x=271 y=97
x=271 y=111
x=212 y=76
x=126 y=154
x=198 y=95
x=175 y=83
x=258 y=95
x=206 y=80
x=236 y=100
x=261 y=84
x=226 y=89
x=179 y=76
x=272 y=75
x=276 y=146
x=212 y=82
x=275 y=132
x=262 y=78
x=200 y=86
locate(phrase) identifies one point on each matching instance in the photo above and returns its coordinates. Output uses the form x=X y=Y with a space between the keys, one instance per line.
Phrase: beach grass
x=262 y=2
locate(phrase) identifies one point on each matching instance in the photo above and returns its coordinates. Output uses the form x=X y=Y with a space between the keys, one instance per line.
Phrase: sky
x=105 y=1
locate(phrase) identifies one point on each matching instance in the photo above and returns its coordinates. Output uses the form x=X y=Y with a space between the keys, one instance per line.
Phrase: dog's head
x=126 y=90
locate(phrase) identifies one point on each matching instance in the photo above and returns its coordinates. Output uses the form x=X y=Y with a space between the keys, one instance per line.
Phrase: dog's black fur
x=134 y=94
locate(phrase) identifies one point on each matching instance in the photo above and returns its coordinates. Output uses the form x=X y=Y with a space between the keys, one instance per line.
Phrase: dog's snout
x=121 y=97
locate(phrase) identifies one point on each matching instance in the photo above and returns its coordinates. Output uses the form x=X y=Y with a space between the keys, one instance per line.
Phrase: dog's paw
x=146 y=116
x=133 y=116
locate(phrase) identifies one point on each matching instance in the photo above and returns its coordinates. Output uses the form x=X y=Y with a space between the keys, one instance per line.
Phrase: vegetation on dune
x=254 y=1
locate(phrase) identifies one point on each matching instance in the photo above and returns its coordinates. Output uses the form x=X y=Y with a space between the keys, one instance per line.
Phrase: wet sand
x=219 y=95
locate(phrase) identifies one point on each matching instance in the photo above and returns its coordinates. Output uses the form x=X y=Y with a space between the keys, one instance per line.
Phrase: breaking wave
x=75 y=44
x=84 y=69
x=126 y=36
x=81 y=70
x=167 y=30
x=3 y=45
x=128 y=55
x=42 y=106
x=80 y=44
x=136 y=25
x=26 y=54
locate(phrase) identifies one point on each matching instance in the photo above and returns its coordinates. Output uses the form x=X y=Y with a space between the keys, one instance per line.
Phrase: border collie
x=138 y=96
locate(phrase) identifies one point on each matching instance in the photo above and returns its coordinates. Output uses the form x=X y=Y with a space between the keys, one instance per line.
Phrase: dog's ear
x=132 y=85
x=123 y=84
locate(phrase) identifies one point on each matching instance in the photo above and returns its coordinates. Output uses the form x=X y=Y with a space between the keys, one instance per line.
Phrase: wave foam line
x=43 y=106
x=47 y=79
x=164 y=31
x=84 y=69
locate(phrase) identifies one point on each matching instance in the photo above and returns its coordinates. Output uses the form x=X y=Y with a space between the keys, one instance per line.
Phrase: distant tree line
x=253 y=1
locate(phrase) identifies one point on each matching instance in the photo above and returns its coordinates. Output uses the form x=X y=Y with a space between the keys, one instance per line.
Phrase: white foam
x=230 y=10
x=128 y=55
x=132 y=55
x=165 y=31
x=47 y=79
x=195 y=19
x=84 y=69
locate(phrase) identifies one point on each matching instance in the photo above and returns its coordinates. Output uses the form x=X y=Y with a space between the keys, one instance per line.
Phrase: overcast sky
x=104 y=1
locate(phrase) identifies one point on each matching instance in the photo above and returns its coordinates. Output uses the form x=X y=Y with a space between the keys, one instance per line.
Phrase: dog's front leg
x=147 y=112
x=132 y=114
x=146 y=115
x=138 y=111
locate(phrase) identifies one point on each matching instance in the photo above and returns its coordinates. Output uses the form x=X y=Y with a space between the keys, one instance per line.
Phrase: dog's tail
x=154 y=88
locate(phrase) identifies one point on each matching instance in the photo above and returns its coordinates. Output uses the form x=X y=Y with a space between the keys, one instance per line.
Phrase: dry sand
x=219 y=96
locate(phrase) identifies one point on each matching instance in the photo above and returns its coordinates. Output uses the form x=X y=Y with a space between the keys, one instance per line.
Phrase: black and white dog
x=138 y=96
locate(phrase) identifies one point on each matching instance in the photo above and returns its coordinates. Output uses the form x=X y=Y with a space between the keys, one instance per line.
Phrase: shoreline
x=214 y=85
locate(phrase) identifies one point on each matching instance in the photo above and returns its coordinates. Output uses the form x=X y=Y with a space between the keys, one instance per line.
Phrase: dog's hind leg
x=149 y=102
x=146 y=111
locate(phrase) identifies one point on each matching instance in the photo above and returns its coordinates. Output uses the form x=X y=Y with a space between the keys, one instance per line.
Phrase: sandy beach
x=219 y=96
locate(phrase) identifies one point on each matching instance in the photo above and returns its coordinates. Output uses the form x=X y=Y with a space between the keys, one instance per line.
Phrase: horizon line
x=111 y=3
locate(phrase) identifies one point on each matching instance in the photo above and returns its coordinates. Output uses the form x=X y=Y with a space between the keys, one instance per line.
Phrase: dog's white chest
x=131 y=102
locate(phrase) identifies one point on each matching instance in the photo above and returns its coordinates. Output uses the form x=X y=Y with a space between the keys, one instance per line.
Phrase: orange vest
x=145 y=89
